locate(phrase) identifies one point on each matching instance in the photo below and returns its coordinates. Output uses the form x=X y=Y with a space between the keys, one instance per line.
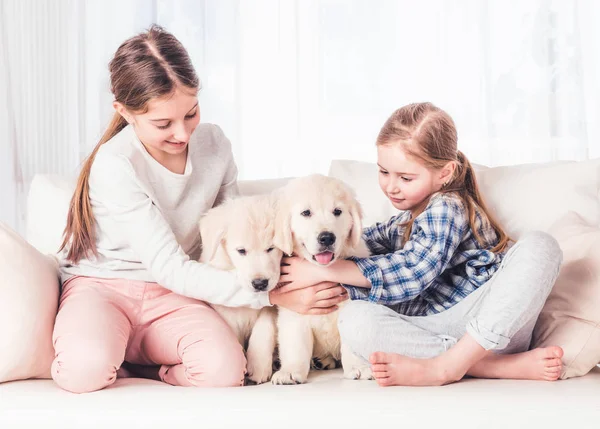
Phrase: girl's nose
x=392 y=188
x=181 y=133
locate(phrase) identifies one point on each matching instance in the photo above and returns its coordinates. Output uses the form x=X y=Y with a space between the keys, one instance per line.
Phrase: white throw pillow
x=47 y=208
x=363 y=178
x=571 y=316
x=28 y=303
x=535 y=196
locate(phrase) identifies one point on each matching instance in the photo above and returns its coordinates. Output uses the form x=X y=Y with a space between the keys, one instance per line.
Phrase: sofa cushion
x=28 y=304
x=321 y=403
x=535 y=196
x=571 y=315
x=47 y=208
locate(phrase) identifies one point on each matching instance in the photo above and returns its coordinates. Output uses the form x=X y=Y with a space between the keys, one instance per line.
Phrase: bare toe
x=551 y=376
x=553 y=362
x=379 y=357
x=554 y=352
x=384 y=382
x=382 y=374
x=379 y=367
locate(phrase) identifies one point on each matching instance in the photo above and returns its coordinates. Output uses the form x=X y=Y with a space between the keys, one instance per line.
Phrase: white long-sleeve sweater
x=147 y=217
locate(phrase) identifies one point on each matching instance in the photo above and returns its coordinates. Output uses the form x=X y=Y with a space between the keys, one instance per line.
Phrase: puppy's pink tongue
x=324 y=258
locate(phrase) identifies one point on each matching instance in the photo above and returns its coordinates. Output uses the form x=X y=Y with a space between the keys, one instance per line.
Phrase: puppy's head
x=238 y=235
x=319 y=219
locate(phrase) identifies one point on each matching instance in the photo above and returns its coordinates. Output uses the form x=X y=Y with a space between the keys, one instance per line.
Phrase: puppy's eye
x=306 y=213
x=337 y=212
x=242 y=251
x=270 y=249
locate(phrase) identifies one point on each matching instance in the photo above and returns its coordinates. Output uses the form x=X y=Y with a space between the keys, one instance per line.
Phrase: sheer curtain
x=296 y=83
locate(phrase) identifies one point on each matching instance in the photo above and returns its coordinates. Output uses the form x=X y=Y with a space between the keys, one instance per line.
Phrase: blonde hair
x=428 y=134
x=149 y=65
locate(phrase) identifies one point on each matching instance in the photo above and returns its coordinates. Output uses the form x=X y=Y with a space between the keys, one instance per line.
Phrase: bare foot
x=537 y=364
x=390 y=369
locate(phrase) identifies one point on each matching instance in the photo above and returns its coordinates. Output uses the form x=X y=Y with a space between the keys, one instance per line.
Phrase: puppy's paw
x=258 y=374
x=285 y=377
x=359 y=373
x=324 y=364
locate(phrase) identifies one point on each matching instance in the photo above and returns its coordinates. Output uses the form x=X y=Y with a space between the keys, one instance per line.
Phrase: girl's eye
x=337 y=212
x=405 y=179
x=270 y=249
x=164 y=127
x=242 y=251
x=306 y=213
x=383 y=172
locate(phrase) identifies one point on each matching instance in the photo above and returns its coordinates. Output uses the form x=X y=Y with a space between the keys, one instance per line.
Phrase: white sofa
x=523 y=198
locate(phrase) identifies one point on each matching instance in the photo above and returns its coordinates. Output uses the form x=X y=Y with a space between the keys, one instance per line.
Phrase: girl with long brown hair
x=132 y=287
x=445 y=286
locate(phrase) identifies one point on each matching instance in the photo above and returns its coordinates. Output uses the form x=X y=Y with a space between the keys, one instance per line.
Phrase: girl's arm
x=385 y=237
x=299 y=273
x=402 y=275
x=136 y=218
x=397 y=276
x=381 y=238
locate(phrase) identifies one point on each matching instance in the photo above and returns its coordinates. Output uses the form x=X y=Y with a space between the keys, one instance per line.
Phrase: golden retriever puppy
x=238 y=235
x=319 y=219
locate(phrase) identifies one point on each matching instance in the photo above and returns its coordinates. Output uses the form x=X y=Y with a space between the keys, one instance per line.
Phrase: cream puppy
x=238 y=235
x=318 y=219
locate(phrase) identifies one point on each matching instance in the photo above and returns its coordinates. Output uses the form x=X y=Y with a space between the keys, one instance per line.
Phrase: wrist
x=330 y=272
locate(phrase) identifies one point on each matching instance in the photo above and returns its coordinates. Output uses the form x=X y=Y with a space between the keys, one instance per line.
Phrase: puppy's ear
x=355 y=235
x=213 y=232
x=283 y=232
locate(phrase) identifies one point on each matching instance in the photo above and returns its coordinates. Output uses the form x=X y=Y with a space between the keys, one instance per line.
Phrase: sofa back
x=523 y=197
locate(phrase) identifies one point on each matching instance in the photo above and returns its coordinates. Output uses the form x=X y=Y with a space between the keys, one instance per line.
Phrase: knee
x=82 y=371
x=222 y=364
x=543 y=247
x=542 y=251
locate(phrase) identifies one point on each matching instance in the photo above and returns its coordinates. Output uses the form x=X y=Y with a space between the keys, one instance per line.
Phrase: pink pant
x=102 y=322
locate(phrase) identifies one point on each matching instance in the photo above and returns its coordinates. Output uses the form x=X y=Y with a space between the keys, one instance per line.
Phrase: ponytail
x=465 y=185
x=79 y=234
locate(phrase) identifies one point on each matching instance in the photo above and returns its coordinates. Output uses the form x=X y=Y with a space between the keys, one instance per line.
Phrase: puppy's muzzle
x=260 y=284
x=326 y=239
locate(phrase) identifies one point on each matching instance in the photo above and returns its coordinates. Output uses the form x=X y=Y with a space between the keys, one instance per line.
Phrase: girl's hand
x=321 y=298
x=298 y=273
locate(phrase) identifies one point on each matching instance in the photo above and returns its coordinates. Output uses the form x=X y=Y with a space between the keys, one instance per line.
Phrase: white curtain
x=296 y=83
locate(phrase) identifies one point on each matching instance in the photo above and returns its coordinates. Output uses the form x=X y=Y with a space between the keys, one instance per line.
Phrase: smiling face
x=405 y=181
x=165 y=128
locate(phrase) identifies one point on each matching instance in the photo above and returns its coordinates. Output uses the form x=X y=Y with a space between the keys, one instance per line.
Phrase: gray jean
x=500 y=315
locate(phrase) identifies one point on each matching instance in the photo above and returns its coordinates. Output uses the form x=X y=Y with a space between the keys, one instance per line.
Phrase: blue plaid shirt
x=438 y=266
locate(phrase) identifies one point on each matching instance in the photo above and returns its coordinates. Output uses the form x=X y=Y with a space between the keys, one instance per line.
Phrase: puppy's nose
x=260 y=284
x=326 y=238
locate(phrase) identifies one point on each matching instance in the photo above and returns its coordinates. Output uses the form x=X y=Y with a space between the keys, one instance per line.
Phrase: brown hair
x=428 y=134
x=149 y=65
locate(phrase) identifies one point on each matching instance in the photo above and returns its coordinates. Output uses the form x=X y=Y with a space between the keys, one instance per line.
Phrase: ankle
x=447 y=370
